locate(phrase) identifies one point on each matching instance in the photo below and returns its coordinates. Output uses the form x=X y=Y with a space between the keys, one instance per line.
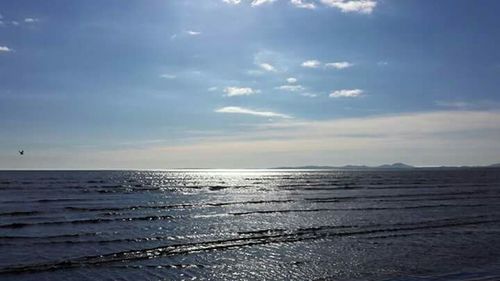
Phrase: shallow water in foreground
x=250 y=224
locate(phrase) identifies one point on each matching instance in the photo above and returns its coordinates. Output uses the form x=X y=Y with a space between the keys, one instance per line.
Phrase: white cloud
x=291 y=88
x=168 y=76
x=30 y=20
x=311 y=64
x=5 y=49
x=260 y=2
x=339 y=65
x=346 y=93
x=237 y=91
x=309 y=95
x=382 y=63
x=241 y=110
x=234 y=2
x=302 y=4
x=193 y=33
x=211 y=89
x=352 y=6
x=14 y=22
x=291 y=80
x=267 y=67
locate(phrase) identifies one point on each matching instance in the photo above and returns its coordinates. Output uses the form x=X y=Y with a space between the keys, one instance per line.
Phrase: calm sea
x=250 y=225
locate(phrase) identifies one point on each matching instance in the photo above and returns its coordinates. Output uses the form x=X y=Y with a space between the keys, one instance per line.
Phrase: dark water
x=250 y=225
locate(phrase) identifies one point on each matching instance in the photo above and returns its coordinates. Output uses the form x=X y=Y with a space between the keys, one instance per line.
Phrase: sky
x=248 y=83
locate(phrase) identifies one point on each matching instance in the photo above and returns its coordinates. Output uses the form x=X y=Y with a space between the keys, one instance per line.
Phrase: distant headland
x=394 y=166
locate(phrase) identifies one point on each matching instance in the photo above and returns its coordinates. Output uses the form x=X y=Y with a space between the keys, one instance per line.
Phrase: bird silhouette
x=21 y=152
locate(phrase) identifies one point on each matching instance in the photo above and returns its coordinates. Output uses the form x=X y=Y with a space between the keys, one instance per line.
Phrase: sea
x=411 y=225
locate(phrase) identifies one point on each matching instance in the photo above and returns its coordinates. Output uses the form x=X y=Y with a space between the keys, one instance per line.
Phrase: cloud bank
x=426 y=138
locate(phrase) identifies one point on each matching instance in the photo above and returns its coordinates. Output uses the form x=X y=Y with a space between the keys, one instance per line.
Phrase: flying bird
x=21 y=152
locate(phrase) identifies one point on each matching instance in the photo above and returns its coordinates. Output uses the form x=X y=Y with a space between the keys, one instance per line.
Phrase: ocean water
x=250 y=225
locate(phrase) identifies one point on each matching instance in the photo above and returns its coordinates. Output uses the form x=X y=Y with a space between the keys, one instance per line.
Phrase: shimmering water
x=251 y=225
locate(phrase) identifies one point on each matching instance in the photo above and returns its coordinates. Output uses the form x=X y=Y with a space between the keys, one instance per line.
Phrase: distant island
x=394 y=166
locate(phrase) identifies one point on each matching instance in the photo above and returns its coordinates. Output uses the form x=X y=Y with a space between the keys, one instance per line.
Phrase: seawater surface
x=250 y=225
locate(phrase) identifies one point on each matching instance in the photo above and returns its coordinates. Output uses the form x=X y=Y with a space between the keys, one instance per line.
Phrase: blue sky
x=250 y=83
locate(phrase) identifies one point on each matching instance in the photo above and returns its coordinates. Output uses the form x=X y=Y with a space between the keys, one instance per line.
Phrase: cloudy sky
x=248 y=83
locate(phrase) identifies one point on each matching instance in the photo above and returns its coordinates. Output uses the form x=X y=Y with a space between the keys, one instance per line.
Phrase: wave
x=359 y=209
x=245 y=239
x=85 y=221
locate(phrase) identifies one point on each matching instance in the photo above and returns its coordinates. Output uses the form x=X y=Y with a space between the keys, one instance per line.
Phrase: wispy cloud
x=311 y=63
x=309 y=95
x=352 y=6
x=256 y=3
x=469 y=105
x=234 y=2
x=239 y=91
x=241 y=110
x=345 y=93
x=255 y=72
x=269 y=61
x=346 y=6
x=303 y=5
x=291 y=80
x=212 y=89
x=30 y=20
x=453 y=104
x=267 y=67
x=168 y=76
x=18 y=22
x=339 y=65
x=193 y=33
x=5 y=49
x=291 y=88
